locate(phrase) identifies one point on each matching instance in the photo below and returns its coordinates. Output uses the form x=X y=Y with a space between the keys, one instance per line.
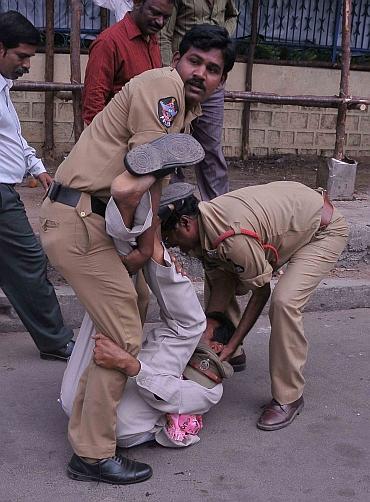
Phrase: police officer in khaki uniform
x=242 y=238
x=73 y=232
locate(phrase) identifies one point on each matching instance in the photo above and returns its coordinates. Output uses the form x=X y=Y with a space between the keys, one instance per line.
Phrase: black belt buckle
x=54 y=190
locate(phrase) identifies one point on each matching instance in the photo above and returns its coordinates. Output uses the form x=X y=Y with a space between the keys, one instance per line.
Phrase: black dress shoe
x=63 y=354
x=116 y=470
x=276 y=416
x=239 y=363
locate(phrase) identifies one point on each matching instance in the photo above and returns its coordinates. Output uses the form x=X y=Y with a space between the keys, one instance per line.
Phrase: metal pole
x=344 y=80
x=27 y=85
x=353 y=102
x=76 y=8
x=49 y=77
x=248 y=79
x=336 y=32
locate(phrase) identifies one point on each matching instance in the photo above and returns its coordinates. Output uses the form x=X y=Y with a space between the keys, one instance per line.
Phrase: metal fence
x=34 y=10
x=293 y=23
x=306 y=23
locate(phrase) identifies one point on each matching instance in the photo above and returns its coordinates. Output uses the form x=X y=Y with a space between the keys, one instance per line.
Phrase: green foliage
x=272 y=52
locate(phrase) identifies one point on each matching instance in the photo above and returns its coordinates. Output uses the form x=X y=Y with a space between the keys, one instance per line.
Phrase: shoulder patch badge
x=238 y=269
x=167 y=110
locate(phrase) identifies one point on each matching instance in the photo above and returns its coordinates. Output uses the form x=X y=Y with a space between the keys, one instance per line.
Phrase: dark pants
x=211 y=173
x=23 y=275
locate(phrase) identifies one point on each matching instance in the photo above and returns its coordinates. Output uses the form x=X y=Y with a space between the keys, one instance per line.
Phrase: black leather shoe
x=239 y=363
x=63 y=354
x=116 y=470
x=276 y=416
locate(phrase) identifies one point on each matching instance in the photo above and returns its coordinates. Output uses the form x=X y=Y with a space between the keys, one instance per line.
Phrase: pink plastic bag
x=180 y=426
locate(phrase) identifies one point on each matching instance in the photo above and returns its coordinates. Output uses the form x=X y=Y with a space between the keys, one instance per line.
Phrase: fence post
x=339 y=174
x=248 y=80
x=76 y=8
x=336 y=30
x=48 y=149
x=104 y=18
x=344 y=80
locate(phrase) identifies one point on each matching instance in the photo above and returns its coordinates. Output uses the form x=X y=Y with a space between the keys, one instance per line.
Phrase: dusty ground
x=254 y=171
x=259 y=170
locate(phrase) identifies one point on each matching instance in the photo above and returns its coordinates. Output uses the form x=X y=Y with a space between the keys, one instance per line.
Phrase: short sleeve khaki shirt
x=148 y=106
x=284 y=214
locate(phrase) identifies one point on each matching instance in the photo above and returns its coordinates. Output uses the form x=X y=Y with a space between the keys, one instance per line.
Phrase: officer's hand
x=111 y=356
x=45 y=179
x=134 y=261
x=226 y=353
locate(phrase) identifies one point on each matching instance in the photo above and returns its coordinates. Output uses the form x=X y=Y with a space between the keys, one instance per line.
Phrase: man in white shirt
x=118 y=7
x=23 y=264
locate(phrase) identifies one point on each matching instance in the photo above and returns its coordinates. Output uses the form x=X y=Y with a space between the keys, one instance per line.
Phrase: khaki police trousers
x=78 y=246
x=288 y=344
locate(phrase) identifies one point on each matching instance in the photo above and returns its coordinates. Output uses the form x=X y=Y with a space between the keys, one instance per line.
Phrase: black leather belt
x=70 y=197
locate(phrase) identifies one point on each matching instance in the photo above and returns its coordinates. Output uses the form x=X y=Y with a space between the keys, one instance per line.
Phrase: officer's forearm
x=251 y=313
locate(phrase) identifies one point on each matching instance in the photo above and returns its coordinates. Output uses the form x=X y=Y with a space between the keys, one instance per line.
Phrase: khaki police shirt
x=148 y=106
x=285 y=214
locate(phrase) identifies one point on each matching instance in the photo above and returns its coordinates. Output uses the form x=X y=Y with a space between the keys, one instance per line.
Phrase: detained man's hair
x=206 y=37
x=225 y=330
x=15 y=29
x=170 y=214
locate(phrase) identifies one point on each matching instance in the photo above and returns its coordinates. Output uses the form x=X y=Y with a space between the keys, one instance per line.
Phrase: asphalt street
x=322 y=456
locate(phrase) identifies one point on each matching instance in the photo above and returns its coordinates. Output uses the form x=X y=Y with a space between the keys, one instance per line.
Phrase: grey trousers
x=211 y=173
x=23 y=275
x=212 y=177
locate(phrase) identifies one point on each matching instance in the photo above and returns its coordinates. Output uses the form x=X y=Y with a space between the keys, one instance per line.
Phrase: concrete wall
x=274 y=129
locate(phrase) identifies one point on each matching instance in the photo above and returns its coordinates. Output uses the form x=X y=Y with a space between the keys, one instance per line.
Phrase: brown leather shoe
x=277 y=416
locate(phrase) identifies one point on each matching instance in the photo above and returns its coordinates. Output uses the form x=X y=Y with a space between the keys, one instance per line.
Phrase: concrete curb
x=332 y=294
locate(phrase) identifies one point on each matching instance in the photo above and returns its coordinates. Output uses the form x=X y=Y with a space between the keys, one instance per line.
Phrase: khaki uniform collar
x=205 y=246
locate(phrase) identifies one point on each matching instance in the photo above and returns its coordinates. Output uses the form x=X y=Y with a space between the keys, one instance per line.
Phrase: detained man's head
x=151 y=15
x=205 y=56
x=179 y=223
x=223 y=330
x=18 y=42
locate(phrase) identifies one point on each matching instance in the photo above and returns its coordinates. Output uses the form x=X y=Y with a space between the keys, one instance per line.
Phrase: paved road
x=322 y=456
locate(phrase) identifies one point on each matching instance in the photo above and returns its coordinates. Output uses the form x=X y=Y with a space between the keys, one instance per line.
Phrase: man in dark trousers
x=23 y=264
x=211 y=173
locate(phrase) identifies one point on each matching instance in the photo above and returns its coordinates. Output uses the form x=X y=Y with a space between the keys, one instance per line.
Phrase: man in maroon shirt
x=123 y=51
